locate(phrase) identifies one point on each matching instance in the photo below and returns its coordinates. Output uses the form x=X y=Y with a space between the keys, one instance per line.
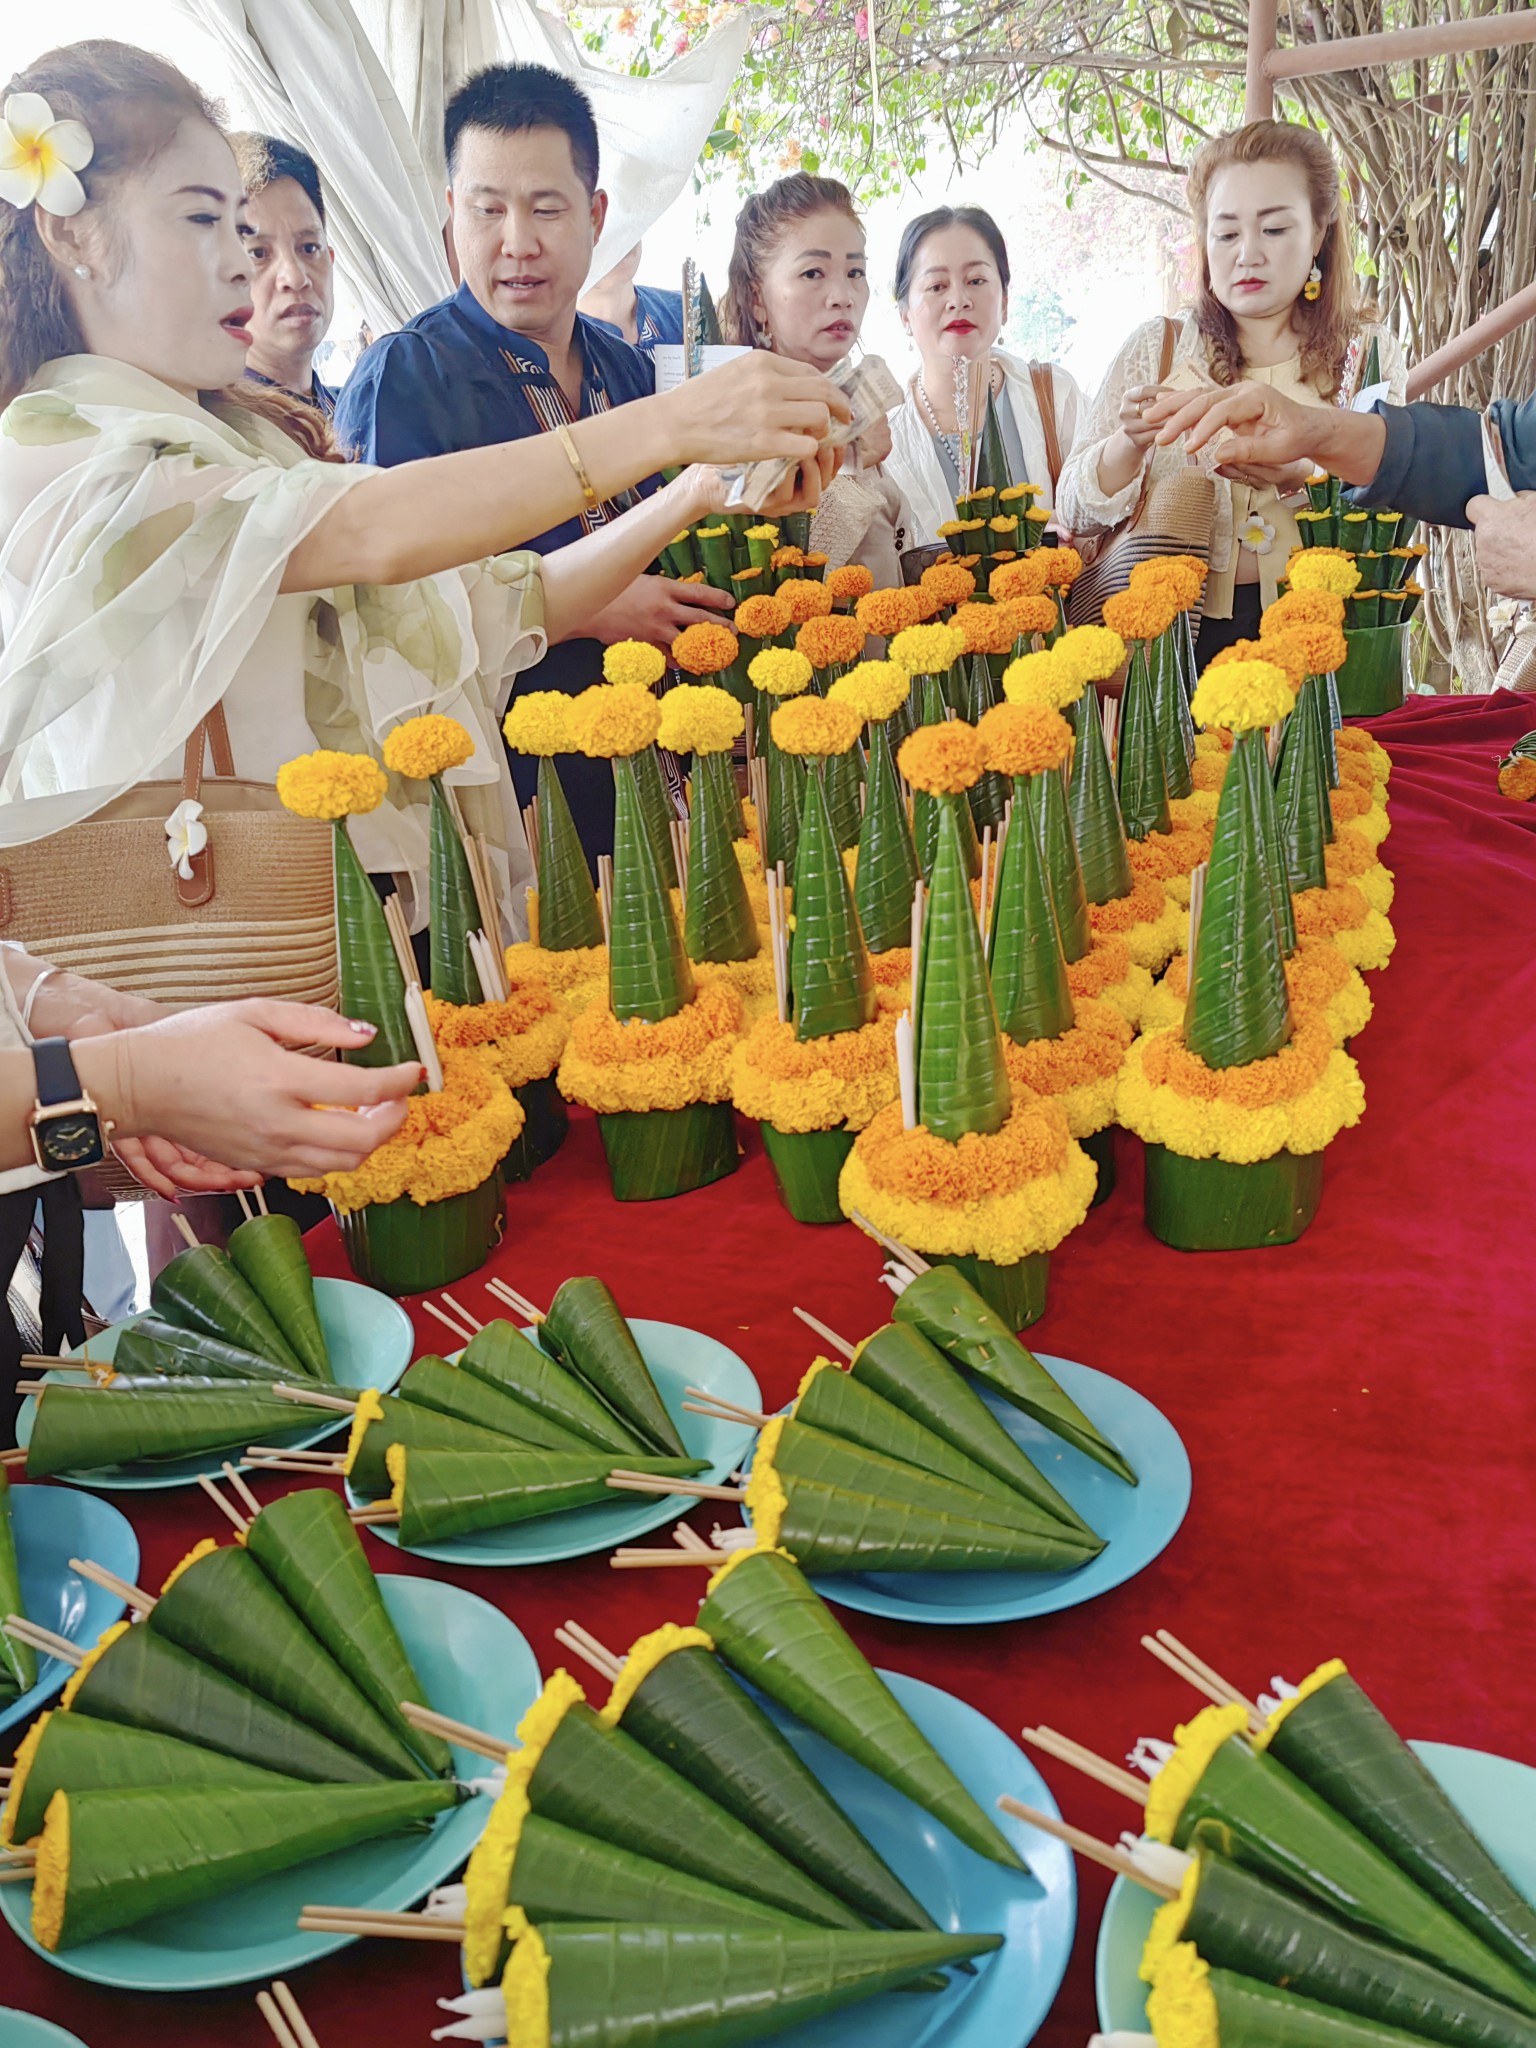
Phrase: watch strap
x=57 y=1080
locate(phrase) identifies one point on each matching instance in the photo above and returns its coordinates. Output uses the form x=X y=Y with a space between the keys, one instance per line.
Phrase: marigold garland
x=787 y=558
x=1298 y=1100
x=763 y=618
x=828 y=642
x=816 y=1084
x=1165 y=856
x=806 y=598
x=1359 y=809
x=540 y=723
x=1090 y=653
x=1343 y=914
x=611 y=1066
x=780 y=671
x=849 y=583
x=699 y=718
x=888 y=612
x=948 y=582
x=1139 y=614
x=1023 y=738
x=1321 y=981
x=521 y=1040
x=1208 y=773
x=704 y=648
x=1039 y=678
x=1243 y=695
x=1318 y=569
x=815 y=725
x=1517 y=779
x=1150 y=923
x=1353 y=859
x=576 y=977
x=635 y=662
x=429 y=745
x=875 y=689
x=450 y=1143
x=1079 y=1070
x=614 y=719
x=927 y=650
x=1356 y=740
x=327 y=784
x=1107 y=970
x=943 y=760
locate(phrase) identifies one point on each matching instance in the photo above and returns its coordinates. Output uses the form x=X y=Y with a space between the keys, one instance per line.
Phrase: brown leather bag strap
x=1170 y=343
x=209 y=736
x=1040 y=375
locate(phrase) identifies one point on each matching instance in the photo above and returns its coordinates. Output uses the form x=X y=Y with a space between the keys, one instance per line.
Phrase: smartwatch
x=68 y=1132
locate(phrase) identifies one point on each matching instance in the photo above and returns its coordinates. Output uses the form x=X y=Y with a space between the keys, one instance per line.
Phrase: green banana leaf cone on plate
x=18 y=1661
x=586 y=1330
x=268 y=1252
x=83 y=1429
x=204 y=1290
x=382 y=1421
x=446 y=1389
x=441 y=1494
x=1189 y=2001
x=152 y=1345
x=504 y=1357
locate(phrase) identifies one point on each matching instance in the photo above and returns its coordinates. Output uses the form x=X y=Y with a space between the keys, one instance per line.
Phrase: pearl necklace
x=927 y=404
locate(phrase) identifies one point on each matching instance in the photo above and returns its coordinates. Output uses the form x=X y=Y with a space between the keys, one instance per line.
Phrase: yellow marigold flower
x=927 y=650
x=1091 y=653
x=611 y=1066
x=875 y=689
x=1242 y=695
x=806 y=598
x=426 y=746
x=948 y=582
x=1312 y=569
x=988 y=628
x=1027 y=616
x=829 y=641
x=1138 y=614
x=331 y=785
x=762 y=618
x=763 y=532
x=815 y=725
x=850 y=583
x=705 y=649
x=943 y=759
x=781 y=671
x=1027 y=577
x=697 y=718
x=788 y=558
x=1024 y=738
x=634 y=661
x=1040 y=678
x=613 y=719
x=540 y=723
x=887 y=612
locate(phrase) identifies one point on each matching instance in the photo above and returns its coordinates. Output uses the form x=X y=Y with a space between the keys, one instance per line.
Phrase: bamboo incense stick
x=583 y=1644
x=1196 y=912
x=828 y=1336
x=316 y=1461
x=687 y=1537
x=400 y=939
x=531 y=831
x=1220 y=1689
x=381 y=1926
x=637 y=1560
x=13 y=1457
x=123 y=1589
x=185 y=1232
x=288 y=2005
x=458 y=1733
x=1066 y=1751
x=906 y=1070
x=337 y=1403
x=281 y=2032
x=246 y=1211
x=259 y=1197
x=28 y=1632
x=732 y=1408
x=504 y=1291
x=224 y=1507
x=461 y=1311
x=447 y=1321
x=653 y=1483
x=421 y=1032
x=912 y=1260
x=605 y=892
x=1087 y=1846
x=238 y=1487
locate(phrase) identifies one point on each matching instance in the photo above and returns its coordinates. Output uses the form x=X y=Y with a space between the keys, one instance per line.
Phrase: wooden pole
x=1483 y=334
x=1259 y=97
x=1398 y=46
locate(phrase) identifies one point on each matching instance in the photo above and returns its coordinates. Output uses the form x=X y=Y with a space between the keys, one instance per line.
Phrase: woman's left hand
x=1286 y=478
x=172 y=1170
x=874 y=444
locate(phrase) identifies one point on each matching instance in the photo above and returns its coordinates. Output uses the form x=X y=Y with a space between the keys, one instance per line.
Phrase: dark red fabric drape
x=1358 y=1408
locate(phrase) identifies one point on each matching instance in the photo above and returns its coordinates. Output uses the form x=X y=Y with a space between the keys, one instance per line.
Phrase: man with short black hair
x=293 y=267
x=509 y=355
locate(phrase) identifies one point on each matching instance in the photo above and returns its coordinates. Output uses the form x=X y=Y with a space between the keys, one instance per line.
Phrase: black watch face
x=71 y=1141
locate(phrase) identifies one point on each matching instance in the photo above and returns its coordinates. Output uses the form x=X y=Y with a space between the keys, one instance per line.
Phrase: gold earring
x=1312 y=290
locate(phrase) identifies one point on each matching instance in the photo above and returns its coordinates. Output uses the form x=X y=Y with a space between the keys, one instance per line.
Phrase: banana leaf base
x=408 y=1248
x=1210 y=1205
x=806 y=1166
x=656 y=1153
x=546 y=1122
x=1017 y=1292
x=1371 y=680
x=1101 y=1150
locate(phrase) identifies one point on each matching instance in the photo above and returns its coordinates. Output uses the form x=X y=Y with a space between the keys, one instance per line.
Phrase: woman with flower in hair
x=1278 y=305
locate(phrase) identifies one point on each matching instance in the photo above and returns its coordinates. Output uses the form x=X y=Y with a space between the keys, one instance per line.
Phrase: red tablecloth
x=1358 y=1408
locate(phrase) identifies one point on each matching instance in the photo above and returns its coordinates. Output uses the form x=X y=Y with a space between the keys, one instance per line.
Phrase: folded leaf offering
x=441 y=1494
x=220 y=1605
x=312 y=1554
x=1190 y=2002
x=109 y=1859
x=18 y=1661
x=384 y=1420
x=138 y=1679
x=1217 y=1790
x=566 y=1987
x=75 y=1753
x=268 y=1252
x=1238 y=1921
x=433 y=1383
x=82 y=1429
x=946 y=1308
x=154 y=1345
x=586 y=1330
x=505 y=1357
x=203 y=1289
x=901 y=1365
x=675 y=1696
x=772 y=1627
x=1334 y=1736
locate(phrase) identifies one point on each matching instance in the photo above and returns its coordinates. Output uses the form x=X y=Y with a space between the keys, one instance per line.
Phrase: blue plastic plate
x=678 y=1359
x=477 y=1668
x=1137 y=1522
x=1496 y=1795
x=53 y=1525
x=25 y=2030
x=370 y=1340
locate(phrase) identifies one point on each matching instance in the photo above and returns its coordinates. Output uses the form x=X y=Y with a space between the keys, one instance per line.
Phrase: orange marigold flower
x=1278 y=648
x=815 y=725
x=988 y=628
x=1026 y=577
x=1322 y=912
x=1261 y=1084
x=948 y=582
x=764 y=617
x=943 y=759
x=1063 y=566
x=888 y=612
x=1024 y=739
x=1029 y=615
x=1090 y=1051
x=1033 y=1142
x=1517 y=779
x=705 y=649
x=1302 y=607
x=1171 y=577
x=1320 y=644
x=850 y=582
x=806 y=598
x=787 y=558
x=830 y=641
x=1105 y=965
x=1146 y=903
x=1350 y=802
x=1138 y=614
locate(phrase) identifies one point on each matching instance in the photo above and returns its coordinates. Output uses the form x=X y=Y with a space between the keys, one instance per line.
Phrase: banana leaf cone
x=1316 y=694
x=927 y=814
x=1140 y=782
x=677 y=1698
x=1029 y=974
x=433 y=1383
x=1338 y=1741
x=204 y=1290
x=110 y=1859
x=962 y=1081
x=586 y=1330
x=648 y=972
x=1239 y=2012
x=828 y=965
x=504 y=1357
x=770 y=1624
x=311 y=1553
x=703 y=1987
x=569 y=918
x=1251 y=1809
x=223 y=1608
x=717 y=921
x=1274 y=846
x=946 y=1308
x=1238 y=1008
x=268 y=1252
x=1046 y=807
x=81 y=1429
x=840 y=1404
x=443 y=1494
x=786 y=781
x=1301 y=803
x=74 y=1753
x=599 y=1781
x=989 y=796
x=139 y=1679
x=18 y=1661
x=371 y=987
x=381 y=1422
x=658 y=810
x=886 y=874
x=1241 y=1923
x=1170 y=712
x=1097 y=825
x=909 y=1371
x=830 y=1529
x=152 y=1345
x=455 y=909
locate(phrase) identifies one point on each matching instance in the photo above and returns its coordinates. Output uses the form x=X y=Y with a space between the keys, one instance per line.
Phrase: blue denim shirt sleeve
x=1433 y=462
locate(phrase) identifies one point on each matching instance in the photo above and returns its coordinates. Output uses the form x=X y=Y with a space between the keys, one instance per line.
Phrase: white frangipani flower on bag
x=1258 y=534
x=39 y=157
x=186 y=835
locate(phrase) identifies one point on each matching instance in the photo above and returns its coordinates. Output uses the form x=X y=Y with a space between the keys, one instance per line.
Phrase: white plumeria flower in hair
x=1259 y=535
x=39 y=157
x=186 y=835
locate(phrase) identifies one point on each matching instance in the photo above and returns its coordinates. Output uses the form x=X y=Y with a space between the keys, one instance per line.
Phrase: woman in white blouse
x=1278 y=305
x=952 y=277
